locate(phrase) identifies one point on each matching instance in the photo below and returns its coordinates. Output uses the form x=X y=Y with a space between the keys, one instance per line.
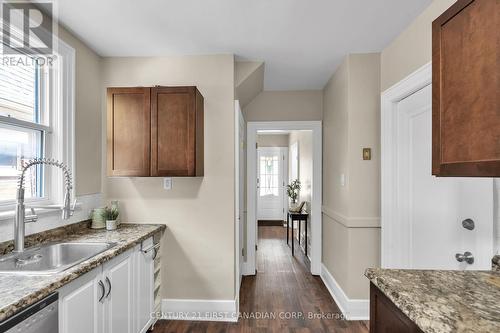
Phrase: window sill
x=8 y=215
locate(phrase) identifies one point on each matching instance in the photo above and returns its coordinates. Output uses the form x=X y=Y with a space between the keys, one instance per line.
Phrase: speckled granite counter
x=443 y=301
x=496 y=263
x=19 y=291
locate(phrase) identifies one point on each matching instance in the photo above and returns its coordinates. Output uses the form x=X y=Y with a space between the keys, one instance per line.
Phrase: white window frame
x=59 y=139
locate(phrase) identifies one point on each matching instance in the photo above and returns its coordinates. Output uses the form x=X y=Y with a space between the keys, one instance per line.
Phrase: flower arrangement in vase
x=292 y=190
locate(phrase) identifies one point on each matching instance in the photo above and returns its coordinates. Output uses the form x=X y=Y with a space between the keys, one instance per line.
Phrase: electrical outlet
x=167 y=183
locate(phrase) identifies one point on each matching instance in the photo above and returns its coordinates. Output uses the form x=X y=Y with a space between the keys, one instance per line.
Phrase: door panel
x=270 y=189
x=128 y=131
x=173 y=133
x=118 y=303
x=144 y=285
x=79 y=308
x=431 y=209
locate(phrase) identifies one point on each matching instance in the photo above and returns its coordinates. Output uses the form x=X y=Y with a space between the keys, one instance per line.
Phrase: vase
x=293 y=204
x=98 y=220
x=111 y=225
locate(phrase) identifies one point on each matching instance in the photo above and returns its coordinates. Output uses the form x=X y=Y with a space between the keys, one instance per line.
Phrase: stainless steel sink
x=51 y=258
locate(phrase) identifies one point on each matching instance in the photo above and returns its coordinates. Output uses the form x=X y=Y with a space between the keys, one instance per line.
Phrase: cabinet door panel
x=118 y=303
x=144 y=286
x=466 y=85
x=129 y=131
x=173 y=135
x=79 y=308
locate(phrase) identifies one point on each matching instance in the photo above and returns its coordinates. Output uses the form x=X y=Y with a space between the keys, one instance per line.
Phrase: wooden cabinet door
x=117 y=276
x=79 y=308
x=129 y=131
x=176 y=132
x=466 y=90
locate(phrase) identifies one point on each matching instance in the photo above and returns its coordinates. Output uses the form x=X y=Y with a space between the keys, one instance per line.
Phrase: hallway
x=280 y=298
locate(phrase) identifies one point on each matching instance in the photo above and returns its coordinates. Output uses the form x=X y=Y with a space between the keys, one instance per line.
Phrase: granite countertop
x=19 y=291
x=443 y=301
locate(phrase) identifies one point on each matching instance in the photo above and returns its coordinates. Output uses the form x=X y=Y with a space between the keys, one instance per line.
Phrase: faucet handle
x=73 y=207
x=31 y=218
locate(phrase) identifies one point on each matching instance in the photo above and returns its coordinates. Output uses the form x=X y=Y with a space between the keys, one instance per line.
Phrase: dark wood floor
x=283 y=288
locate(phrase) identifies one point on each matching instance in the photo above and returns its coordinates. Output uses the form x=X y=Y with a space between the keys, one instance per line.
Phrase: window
x=24 y=126
x=269 y=175
x=36 y=120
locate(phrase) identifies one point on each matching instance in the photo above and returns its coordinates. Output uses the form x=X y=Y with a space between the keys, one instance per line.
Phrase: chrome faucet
x=21 y=218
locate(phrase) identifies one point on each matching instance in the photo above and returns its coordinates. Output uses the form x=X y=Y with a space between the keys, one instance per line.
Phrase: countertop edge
x=76 y=272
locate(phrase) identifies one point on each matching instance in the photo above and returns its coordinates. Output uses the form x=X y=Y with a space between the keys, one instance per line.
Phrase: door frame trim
x=316 y=216
x=390 y=98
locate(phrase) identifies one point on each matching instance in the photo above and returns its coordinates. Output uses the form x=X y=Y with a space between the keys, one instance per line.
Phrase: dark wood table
x=296 y=216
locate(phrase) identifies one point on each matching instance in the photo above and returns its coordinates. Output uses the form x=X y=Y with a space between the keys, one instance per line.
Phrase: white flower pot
x=111 y=224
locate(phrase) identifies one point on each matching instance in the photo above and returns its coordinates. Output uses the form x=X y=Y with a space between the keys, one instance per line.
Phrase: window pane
x=17 y=145
x=19 y=90
x=269 y=176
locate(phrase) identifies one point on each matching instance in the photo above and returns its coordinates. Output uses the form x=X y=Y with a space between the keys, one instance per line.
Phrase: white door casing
x=239 y=181
x=422 y=214
x=316 y=188
x=270 y=183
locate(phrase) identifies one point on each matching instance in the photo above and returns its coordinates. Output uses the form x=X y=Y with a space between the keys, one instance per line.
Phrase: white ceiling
x=300 y=41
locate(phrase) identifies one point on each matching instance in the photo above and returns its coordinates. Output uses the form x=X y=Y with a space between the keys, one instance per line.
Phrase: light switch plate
x=167 y=183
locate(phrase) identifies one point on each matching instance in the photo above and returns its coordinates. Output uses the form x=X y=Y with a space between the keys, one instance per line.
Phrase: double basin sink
x=51 y=258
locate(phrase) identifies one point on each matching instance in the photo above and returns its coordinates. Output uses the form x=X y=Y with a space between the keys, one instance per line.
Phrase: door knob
x=468 y=224
x=467 y=257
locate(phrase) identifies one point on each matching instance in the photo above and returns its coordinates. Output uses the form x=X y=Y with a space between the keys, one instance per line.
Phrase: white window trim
x=61 y=145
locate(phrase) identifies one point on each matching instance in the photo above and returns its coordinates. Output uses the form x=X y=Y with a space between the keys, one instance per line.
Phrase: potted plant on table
x=292 y=190
x=111 y=215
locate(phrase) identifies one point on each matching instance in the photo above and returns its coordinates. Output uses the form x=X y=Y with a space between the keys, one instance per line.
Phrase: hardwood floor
x=283 y=294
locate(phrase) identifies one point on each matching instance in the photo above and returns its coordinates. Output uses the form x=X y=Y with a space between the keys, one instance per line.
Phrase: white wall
x=272 y=140
x=198 y=256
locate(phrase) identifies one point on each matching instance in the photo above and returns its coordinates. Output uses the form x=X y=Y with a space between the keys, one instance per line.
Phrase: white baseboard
x=199 y=310
x=352 y=309
x=245 y=270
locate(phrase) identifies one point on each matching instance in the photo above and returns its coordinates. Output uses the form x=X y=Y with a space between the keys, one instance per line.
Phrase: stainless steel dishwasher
x=41 y=317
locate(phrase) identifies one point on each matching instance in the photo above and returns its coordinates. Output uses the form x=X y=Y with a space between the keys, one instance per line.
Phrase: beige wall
x=304 y=140
x=412 y=48
x=87 y=116
x=351 y=213
x=285 y=106
x=272 y=140
x=198 y=256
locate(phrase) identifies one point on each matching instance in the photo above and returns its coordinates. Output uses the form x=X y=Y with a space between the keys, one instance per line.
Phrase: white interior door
x=430 y=210
x=270 y=183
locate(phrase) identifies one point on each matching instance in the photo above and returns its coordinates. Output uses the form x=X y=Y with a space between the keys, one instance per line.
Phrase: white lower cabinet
x=116 y=297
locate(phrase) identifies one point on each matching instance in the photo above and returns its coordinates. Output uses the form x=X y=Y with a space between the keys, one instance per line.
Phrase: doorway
x=422 y=215
x=254 y=182
x=272 y=175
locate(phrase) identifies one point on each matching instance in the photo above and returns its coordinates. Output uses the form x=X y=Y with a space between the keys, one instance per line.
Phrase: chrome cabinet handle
x=109 y=285
x=467 y=257
x=103 y=290
x=156 y=252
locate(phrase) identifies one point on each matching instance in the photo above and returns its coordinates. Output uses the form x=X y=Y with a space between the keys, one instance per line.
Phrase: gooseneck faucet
x=20 y=218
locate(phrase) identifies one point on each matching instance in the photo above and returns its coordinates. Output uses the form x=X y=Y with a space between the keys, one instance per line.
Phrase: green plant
x=111 y=214
x=292 y=189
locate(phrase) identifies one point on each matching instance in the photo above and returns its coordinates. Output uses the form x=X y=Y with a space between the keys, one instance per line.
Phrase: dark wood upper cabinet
x=466 y=90
x=155 y=132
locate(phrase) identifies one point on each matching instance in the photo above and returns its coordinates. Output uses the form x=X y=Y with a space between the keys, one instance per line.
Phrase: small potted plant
x=292 y=190
x=111 y=215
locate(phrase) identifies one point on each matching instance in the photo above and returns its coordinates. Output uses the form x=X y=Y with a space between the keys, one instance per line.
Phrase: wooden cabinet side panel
x=200 y=135
x=466 y=85
x=128 y=131
x=385 y=317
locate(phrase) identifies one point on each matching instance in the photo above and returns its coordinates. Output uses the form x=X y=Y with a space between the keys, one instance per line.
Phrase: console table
x=296 y=216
